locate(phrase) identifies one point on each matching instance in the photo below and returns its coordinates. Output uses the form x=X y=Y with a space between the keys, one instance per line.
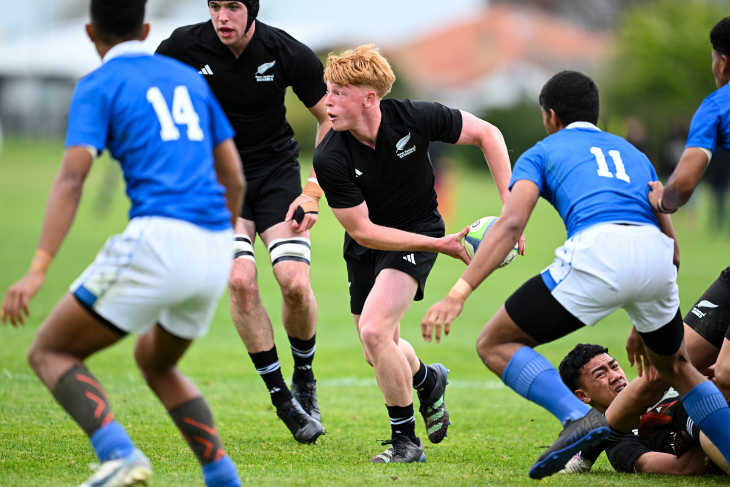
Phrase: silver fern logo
x=401 y=145
x=402 y=142
x=265 y=67
x=262 y=69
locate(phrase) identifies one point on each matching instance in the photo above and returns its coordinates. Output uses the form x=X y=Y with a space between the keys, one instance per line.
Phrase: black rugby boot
x=433 y=407
x=305 y=428
x=401 y=450
x=577 y=435
x=306 y=394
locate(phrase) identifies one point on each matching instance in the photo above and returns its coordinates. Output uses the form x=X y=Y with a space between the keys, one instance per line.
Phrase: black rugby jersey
x=395 y=179
x=251 y=89
x=624 y=453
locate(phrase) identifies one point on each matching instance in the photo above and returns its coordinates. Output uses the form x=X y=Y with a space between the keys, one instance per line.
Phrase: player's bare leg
x=641 y=394
x=290 y=257
x=254 y=327
x=378 y=329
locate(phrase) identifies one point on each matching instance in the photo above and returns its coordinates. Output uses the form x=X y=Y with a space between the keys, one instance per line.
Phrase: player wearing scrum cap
x=249 y=66
x=376 y=173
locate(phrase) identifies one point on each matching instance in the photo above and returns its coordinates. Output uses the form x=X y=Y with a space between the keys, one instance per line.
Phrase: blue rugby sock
x=111 y=442
x=221 y=474
x=531 y=376
x=708 y=409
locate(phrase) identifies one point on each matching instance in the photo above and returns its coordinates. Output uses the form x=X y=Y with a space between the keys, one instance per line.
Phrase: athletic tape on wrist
x=314 y=191
x=243 y=248
x=296 y=249
x=461 y=290
x=41 y=261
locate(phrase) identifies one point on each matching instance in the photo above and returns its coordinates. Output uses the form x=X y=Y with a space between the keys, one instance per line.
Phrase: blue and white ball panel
x=159 y=270
x=608 y=267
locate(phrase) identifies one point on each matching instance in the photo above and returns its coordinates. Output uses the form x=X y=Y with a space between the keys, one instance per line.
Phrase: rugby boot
x=134 y=469
x=305 y=428
x=659 y=418
x=433 y=408
x=306 y=394
x=577 y=464
x=577 y=435
x=401 y=450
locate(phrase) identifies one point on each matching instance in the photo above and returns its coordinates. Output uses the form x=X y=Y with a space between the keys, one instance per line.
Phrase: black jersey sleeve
x=626 y=451
x=442 y=123
x=307 y=76
x=334 y=175
x=170 y=47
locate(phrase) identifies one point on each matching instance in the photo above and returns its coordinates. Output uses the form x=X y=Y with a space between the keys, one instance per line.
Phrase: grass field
x=495 y=435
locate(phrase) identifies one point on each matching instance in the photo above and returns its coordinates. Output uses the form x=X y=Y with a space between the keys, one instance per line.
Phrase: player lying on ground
x=249 y=66
x=667 y=441
x=615 y=257
x=163 y=277
x=376 y=173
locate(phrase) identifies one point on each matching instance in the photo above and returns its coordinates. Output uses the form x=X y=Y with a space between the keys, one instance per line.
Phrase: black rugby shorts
x=268 y=197
x=364 y=264
x=710 y=316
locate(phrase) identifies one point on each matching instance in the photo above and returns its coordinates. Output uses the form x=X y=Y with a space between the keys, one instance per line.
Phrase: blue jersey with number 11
x=590 y=177
x=160 y=120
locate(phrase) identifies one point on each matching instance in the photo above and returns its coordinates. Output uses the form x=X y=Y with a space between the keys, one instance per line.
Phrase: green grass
x=495 y=435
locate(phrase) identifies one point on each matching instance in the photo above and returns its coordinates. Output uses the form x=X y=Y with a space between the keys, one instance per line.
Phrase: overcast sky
x=319 y=23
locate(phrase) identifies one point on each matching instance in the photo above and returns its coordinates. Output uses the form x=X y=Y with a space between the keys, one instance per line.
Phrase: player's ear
x=145 y=32
x=371 y=98
x=580 y=394
x=91 y=32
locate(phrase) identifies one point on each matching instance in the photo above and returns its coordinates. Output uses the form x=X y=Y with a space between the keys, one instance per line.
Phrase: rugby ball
x=477 y=230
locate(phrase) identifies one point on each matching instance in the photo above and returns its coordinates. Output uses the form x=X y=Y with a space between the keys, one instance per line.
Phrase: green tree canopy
x=662 y=66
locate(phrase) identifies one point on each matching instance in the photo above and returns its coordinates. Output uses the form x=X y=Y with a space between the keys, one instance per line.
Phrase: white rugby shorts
x=610 y=266
x=159 y=270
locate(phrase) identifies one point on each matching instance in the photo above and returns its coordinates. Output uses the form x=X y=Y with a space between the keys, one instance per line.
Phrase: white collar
x=583 y=125
x=125 y=49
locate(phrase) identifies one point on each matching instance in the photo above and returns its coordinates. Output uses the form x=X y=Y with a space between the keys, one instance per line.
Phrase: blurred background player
x=620 y=253
x=249 y=66
x=676 y=449
x=375 y=170
x=163 y=277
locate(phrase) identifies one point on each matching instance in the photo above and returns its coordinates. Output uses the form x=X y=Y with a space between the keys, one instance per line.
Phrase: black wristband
x=662 y=209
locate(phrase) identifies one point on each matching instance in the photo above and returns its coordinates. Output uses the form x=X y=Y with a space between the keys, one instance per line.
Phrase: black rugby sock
x=84 y=399
x=613 y=437
x=402 y=421
x=424 y=381
x=195 y=421
x=268 y=367
x=303 y=353
x=593 y=452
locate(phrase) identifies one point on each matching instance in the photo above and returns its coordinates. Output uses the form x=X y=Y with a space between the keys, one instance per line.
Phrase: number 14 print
x=603 y=170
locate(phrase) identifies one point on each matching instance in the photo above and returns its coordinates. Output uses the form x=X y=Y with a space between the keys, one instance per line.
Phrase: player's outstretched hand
x=440 y=315
x=310 y=217
x=18 y=297
x=637 y=354
x=451 y=245
x=656 y=193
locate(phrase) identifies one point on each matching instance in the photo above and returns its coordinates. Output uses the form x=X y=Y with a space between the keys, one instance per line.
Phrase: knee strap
x=290 y=249
x=243 y=248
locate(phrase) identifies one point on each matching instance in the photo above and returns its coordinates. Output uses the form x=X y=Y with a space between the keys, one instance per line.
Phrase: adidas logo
x=659 y=409
x=410 y=259
x=274 y=390
x=206 y=71
x=305 y=367
x=357 y=173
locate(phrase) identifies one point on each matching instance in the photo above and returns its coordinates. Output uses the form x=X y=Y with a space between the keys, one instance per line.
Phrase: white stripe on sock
x=269 y=369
